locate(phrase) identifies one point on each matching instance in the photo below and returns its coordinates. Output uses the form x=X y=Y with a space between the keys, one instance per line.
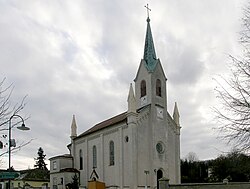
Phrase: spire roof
x=73 y=127
x=131 y=100
x=176 y=111
x=176 y=114
x=149 y=49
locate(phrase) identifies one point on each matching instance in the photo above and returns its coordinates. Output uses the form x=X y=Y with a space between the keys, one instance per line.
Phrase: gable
x=139 y=69
x=159 y=68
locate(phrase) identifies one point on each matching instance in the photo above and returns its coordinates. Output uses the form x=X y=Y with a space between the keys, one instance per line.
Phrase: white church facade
x=133 y=149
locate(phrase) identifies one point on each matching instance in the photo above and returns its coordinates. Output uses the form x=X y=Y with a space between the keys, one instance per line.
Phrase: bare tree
x=234 y=94
x=8 y=111
x=192 y=157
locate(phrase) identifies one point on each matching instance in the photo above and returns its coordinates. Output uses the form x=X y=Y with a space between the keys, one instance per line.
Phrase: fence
x=164 y=184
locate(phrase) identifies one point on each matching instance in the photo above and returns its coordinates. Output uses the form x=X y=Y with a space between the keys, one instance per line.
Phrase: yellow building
x=31 y=178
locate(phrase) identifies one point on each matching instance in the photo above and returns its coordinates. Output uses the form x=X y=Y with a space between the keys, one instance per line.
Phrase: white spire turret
x=131 y=100
x=73 y=128
x=176 y=115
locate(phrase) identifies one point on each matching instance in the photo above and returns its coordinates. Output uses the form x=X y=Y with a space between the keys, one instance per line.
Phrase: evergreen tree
x=194 y=171
x=40 y=164
x=75 y=183
x=235 y=166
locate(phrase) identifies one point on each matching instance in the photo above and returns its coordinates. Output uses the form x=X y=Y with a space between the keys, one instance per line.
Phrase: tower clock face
x=159 y=112
x=143 y=100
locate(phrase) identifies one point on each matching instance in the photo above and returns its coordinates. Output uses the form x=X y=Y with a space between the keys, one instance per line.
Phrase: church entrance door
x=159 y=176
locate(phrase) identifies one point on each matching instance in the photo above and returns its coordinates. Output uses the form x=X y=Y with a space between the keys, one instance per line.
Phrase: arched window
x=111 y=153
x=94 y=157
x=158 y=87
x=143 y=88
x=80 y=160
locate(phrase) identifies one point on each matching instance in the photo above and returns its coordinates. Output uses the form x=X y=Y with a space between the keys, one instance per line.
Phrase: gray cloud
x=79 y=58
x=187 y=67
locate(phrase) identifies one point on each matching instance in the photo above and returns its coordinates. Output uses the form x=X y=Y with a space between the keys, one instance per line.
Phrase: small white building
x=62 y=171
x=135 y=148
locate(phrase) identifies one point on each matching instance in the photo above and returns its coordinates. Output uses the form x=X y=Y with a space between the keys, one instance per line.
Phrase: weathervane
x=148 y=9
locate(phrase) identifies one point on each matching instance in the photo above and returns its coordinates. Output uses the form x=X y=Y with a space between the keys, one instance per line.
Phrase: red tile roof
x=107 y=123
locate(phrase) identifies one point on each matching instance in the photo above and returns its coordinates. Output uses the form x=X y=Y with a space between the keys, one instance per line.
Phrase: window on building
x=54 y=183
x=62 y=181
x=80 y=159
x=126 y=138
x=111 y=153
x=158 y=87
x=94 y=157
x=143 y=88
x=54 y=165
x=159 y=176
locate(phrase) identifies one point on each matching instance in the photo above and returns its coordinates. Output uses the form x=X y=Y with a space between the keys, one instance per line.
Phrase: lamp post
x=23 y=128
x=146 y=172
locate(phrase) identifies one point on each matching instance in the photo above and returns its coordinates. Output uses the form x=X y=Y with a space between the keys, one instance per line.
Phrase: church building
x=133 y=149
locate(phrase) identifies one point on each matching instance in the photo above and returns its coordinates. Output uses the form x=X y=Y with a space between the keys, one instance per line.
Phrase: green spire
x=149 y=49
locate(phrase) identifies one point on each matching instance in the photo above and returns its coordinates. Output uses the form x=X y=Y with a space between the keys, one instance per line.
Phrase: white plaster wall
x=112 y=172
x=144 y=143
x=172 y=170
x=66 y=176
x=127 y=153
x=95 y=140
x=80 y=145
x=61 y=163
x=52 y=170
x=142 y=74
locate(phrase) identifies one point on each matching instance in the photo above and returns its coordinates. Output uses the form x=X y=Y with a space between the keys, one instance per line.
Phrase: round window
x=160 y=147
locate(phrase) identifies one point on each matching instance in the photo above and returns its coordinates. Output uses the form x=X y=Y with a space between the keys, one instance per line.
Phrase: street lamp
x=146 y=172
x=23 y=128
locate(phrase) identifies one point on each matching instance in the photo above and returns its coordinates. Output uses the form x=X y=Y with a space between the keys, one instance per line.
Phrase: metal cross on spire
x=148 y=9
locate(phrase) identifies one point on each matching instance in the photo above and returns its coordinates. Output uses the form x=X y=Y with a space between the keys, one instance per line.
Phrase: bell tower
x=150 y=81
x=157 y=132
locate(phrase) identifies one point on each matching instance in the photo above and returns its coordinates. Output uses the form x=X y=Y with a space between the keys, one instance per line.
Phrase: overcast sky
x=79 y=57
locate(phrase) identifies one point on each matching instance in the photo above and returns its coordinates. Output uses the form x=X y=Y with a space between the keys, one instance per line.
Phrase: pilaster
x=121 y=160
